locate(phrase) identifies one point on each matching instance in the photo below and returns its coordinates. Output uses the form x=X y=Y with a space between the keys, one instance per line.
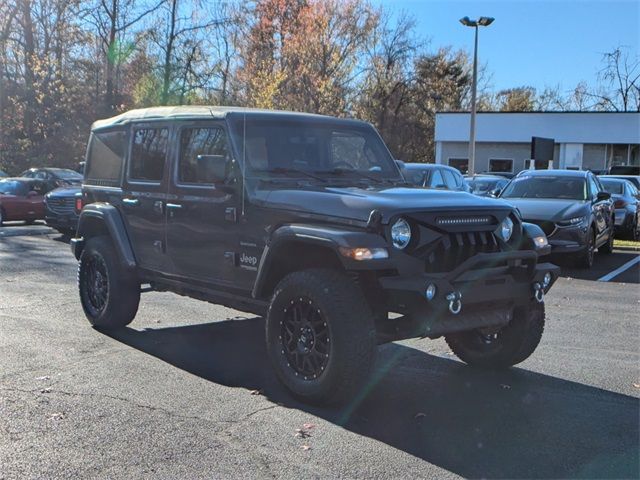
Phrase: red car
x=21 y=199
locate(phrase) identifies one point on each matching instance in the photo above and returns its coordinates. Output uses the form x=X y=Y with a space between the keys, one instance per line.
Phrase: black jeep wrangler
x=306 y=220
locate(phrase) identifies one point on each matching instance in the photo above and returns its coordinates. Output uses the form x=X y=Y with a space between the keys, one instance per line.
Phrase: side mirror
x=495 y=193
x=603 y=196
x=212 y=168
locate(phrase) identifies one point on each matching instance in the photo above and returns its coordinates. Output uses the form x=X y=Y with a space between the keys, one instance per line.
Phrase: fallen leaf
x=308 y=426
x=505 y=386
x=45 y=390
x=420 y=415
x=256 y=392
x=305 y=447
x=44 y=377
x=57 y=416
x=636 y=385
x=300 y=433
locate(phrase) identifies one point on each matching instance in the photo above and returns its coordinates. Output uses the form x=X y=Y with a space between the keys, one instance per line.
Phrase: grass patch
x=626 y=244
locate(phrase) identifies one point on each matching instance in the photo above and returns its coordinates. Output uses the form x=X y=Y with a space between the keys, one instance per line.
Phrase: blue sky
x=537 y=43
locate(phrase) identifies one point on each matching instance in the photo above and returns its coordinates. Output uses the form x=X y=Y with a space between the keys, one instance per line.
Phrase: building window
x=462 y=164
x=501 y=165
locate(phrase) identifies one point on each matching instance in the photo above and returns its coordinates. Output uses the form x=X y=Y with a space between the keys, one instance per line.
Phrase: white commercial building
x=583 y=140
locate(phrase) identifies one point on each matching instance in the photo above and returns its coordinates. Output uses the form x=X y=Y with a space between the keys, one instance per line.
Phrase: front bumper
x=489 y=286
x=568 y=239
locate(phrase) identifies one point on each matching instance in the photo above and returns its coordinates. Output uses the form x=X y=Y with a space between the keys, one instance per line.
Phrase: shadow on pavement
x=510 y=424
x=602 y=265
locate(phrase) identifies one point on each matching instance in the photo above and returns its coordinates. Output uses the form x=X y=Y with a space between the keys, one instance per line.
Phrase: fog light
x=430 y=292
x=541 y=241
x=546 y=280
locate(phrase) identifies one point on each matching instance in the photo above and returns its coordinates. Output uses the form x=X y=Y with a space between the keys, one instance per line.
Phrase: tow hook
x=455 y=302
x=538 y=292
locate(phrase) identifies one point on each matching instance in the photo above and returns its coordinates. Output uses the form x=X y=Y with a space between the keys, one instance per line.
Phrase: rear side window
x=436 y=180
x=450 y=179
x=148 y=154
x=106 y=156
x=195 y=142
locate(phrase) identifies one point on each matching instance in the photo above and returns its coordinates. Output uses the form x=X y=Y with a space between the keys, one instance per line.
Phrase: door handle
x=131 y=201
x=173 y=205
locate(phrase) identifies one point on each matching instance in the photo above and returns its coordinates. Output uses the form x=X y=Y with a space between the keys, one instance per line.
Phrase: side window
x=40 y=175
x=450 y=180
x=593 y=186
x=436 y=180
x=148 y=154
x=195 y=142
x=107 y=151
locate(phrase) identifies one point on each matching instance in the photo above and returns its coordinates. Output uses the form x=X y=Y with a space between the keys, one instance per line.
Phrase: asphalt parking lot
x=187 y=391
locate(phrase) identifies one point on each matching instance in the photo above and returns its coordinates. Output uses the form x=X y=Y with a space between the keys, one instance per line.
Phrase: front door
x=144 y=194
x=202 y=211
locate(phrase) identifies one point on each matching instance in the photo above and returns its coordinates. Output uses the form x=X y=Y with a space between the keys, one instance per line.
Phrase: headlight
x=572 y=222
x=400 y=233
x=505 y=230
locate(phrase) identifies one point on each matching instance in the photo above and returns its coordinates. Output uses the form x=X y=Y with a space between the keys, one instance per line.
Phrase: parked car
x=430 y=175
x=625 y=170
x=21 y=199
x=635 y=179
x=626 y=201
x=486 y=185
x=3 y=174
x=571 y=207
x=312 y=227
x=60 y=209
x=54 y=177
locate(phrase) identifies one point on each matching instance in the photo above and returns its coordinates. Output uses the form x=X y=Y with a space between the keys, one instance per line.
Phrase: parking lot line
x=619 y=270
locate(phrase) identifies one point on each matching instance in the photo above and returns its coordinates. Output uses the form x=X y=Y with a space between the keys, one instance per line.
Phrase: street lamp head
x=485 y=21
x=467 y=22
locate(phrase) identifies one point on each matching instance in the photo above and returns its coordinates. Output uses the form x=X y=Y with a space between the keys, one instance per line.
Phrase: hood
x=65 y=191
x=356 y=203
x=550 y=209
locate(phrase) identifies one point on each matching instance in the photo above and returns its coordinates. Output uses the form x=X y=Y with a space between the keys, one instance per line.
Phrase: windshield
x=313 y=149
x=612 y=186
x=561 y=187
x=483 y=185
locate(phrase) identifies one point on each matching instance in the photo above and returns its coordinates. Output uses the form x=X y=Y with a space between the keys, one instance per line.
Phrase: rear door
x=201 y=213
x=144 y=193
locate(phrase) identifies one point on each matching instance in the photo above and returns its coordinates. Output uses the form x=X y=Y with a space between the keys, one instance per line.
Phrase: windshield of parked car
x=12 y=187
x=612 y=186
x=313 y=149
x=547 y=186
x=481 y=185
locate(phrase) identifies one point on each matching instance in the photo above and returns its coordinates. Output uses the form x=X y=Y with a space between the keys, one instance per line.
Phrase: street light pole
x=484 y=22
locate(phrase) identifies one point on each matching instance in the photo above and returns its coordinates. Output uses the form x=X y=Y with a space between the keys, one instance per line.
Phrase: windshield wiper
x=286 y=170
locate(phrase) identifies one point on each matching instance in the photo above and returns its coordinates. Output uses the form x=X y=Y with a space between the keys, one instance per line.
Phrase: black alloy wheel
x=94 y=284
x=306 y=339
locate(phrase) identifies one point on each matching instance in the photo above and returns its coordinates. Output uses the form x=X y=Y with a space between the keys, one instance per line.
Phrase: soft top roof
x=201 y=112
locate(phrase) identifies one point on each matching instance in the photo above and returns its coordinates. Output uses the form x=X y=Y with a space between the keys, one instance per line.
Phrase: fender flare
x=110 y=217
x=325 y=237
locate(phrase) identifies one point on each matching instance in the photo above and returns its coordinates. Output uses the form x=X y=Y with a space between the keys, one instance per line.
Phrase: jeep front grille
x=454 y=248
x=61 y=205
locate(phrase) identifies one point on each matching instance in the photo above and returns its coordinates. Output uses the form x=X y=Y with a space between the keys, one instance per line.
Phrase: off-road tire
x=122 y=286
x=351 y=332
x=514 y=343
